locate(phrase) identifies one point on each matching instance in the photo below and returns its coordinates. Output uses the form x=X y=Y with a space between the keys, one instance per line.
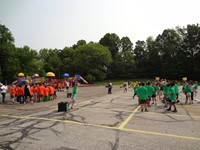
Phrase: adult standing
x=67 y=85
x=125 y=86
x=109 y=88
x=4 y=89
x=27 y=93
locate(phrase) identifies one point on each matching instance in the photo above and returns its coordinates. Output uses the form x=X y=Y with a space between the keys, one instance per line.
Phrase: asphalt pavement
x=100 y=122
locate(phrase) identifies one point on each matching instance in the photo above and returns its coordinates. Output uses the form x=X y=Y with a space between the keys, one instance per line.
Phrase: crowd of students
x=147 y=93
x=40 y=92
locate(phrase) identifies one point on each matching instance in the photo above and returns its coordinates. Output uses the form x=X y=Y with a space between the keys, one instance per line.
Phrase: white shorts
x=188 y=94
x=74 y=97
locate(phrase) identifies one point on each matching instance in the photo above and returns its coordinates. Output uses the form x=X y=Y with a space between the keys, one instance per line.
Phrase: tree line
x=173 y=54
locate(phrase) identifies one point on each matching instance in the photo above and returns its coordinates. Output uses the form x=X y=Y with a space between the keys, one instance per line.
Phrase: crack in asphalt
x=26 y=132
x=64 y=148
x=116 y=144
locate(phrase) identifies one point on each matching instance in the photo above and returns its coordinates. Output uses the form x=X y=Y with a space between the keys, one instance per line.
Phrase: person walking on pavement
x=4 y=89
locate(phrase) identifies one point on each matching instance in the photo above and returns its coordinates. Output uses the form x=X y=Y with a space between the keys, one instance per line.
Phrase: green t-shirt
x=188 y=90
x=172 y=94
x=196 y=86
x=184 y=86
x=138 y=90
x=166 y=90
x=176 y=88
x=150 y=90
x=74 y=90
x=142 y=93
x=156 y=88
x=135 y=89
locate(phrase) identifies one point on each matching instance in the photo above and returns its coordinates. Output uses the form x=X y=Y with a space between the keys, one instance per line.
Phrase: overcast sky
x=59 y=23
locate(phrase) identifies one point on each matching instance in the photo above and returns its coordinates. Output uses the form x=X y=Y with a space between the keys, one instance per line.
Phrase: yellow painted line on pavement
x=38 y=118
x=107 y=127
x=161 y=134
x=128 y=118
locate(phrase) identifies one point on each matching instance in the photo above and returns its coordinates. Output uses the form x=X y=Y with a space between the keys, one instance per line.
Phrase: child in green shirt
x=74 y=92
x=172 y=97
x=187 y=92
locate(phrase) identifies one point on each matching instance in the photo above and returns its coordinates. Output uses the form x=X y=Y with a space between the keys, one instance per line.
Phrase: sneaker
x=141 y=110
x=146 y=110
x=169 y=109
x=174 y=110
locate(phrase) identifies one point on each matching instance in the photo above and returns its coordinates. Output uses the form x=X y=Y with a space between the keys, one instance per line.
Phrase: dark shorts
x=149 y=97
x=153 y=96
x=173 y=102
x=12 y=96
x=143 y=101
x=28 y=95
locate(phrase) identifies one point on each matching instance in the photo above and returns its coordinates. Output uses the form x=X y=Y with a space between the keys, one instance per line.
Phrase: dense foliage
x=173 y=54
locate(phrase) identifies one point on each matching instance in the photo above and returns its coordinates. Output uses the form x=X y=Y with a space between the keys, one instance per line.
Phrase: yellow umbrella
x=50 y=74
x=20 y=74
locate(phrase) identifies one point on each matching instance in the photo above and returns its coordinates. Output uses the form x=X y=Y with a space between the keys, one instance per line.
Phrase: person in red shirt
x=38 y=95
x=20 y=96
x=51 y=92
x=41 y=92
x=46 y=93
x=35 y=93
x=12 y=93
x=59 y=86
x=31 y=93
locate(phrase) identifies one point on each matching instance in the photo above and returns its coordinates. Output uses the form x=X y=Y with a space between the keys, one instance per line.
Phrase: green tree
x=141 y=57
x=126 y=44
x=79 y=43
x=189 y=52
x=92 y=60
x=112 y=41
x=167 y=45
x=8 y=62
x=67 y=55
x=51 y=60
x=28 y=60
x=124 y=65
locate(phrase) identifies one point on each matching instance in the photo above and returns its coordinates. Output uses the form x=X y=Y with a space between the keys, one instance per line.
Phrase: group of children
x=148 y=92
x=40 y=92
